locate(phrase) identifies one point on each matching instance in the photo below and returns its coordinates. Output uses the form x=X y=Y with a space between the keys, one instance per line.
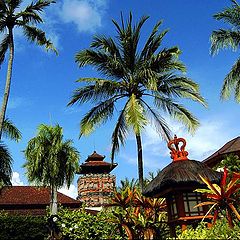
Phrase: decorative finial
x=176 y=153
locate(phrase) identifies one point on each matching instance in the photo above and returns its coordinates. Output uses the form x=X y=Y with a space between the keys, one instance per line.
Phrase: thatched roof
x=178 y=175
x=232 y=146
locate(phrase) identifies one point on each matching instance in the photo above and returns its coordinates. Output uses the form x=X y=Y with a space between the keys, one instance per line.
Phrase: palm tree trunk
x=8 y=81
x=140 y=161
x=53 y=203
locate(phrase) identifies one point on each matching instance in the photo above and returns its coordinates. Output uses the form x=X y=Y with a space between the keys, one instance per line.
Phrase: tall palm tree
x=51 y=161
x=139 y=79
x=229 y=38
x=11 y=17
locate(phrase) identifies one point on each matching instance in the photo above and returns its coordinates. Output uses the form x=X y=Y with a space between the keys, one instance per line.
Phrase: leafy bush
x=79 y=224
x=139 y=217
x=22 y=227
x=220 y=230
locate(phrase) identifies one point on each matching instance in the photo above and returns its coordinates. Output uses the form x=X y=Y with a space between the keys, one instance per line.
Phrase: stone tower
x=96 y=185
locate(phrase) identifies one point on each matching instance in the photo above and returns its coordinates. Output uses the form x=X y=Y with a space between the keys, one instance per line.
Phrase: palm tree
x=229 y=38
x=138 y=79
x=9 y=131
x=5 y=166
x=11 y=17
x=51 y=161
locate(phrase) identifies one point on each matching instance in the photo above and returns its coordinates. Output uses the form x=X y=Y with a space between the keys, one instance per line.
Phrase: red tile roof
x=29 y=195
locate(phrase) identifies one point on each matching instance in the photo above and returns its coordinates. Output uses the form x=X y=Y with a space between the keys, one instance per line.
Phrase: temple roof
x=232 y=146
x=95 y=164
x=182 y=173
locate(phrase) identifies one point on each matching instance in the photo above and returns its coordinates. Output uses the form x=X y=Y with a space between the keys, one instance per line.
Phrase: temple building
x=96 y=185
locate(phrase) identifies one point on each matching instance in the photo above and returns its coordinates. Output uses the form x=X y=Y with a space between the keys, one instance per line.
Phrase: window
x=191 y=199
x=173 y=208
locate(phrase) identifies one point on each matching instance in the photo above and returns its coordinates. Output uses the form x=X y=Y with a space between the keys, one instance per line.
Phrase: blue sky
x=42 y=83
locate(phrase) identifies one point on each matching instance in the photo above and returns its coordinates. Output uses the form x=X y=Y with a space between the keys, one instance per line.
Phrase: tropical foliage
x=51 y=161
x=137 y=82
x=139 y=217
x=22 y=227
x=224 y=197
x=232 y=163
x=9 y=131
x=220 y=230
x=79 y=224
x=5 y=166
x=12 y=17
x=229 y=38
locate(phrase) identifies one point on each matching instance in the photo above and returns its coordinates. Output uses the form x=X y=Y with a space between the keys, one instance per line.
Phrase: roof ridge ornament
x=176 y=153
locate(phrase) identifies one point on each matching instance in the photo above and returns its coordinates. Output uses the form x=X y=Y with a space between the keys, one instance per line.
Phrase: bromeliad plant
x=224 y=197
x=139 y=217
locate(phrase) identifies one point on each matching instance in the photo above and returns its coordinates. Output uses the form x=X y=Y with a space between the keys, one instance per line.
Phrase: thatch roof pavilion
x=177 y=182
x=180 y=174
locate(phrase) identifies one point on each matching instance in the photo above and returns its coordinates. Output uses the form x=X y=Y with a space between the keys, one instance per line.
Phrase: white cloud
x=16 y=181
x=210 y=136
x=86 y=14
x=71 y=192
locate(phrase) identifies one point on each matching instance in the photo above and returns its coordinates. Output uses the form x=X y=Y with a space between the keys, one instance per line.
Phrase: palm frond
x=177 y=111
x=37 y=35
x=222 y=39
x=28 y=17
x=166 y=60
x=119 y=133
x=101 y=90
x=230 y=15
x=231 y=82
x=13 y=5
x=5 y=165
x=97 y=115
x=152 y=46
x=104 y=63
x=38 y=6
x=135 y=114
x=160 y=124
x=11 y=131
x=3 y=48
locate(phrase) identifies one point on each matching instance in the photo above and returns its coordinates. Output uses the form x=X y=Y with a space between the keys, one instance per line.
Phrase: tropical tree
x=51 y=161
x=9 y=131
x=229 y=38
x=136 y=79
x=11 y=17
x=5 y=166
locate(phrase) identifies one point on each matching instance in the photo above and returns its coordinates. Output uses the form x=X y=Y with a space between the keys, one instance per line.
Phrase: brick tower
x=96 y=184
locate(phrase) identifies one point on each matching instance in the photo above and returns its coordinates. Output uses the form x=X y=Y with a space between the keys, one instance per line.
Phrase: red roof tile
x=29 y=195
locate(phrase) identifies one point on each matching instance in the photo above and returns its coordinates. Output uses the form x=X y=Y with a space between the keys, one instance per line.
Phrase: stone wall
x=94 y=190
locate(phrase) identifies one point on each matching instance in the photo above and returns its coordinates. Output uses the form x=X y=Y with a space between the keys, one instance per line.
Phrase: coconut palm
x=51 y=161
x=137 y=79
x=5 y=166
x=229 y=38
x=12 y=17
x=9 y=131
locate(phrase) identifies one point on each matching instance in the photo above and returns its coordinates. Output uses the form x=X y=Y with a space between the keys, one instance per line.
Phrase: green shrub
x=22 y=227
x=79 y=224
x=220 y=230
